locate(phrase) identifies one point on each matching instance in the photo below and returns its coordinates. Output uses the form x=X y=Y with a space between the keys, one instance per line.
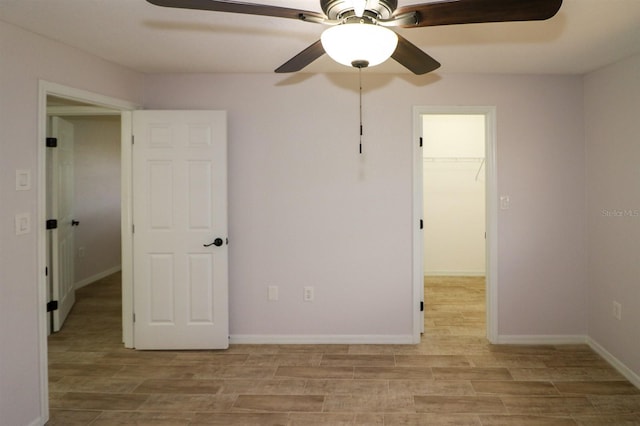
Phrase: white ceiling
x=583 y=36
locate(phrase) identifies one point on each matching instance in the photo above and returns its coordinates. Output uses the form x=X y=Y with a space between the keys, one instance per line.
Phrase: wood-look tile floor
x=453 y=377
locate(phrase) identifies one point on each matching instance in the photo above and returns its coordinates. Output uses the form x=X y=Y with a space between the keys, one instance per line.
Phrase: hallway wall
x=97 y=197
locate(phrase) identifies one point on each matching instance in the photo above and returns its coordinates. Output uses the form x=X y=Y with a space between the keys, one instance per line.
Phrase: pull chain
x=360 y=85
x=360 y=64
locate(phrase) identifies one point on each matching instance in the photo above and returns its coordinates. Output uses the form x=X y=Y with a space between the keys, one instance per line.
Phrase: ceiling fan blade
x=449 y=12
x=238 y=7
x=413 y=58
x=302 y=59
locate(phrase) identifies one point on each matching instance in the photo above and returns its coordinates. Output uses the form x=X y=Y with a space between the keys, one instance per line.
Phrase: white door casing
x=179 y=206
x=491 y=250
x=62 y=238
x=46 y=89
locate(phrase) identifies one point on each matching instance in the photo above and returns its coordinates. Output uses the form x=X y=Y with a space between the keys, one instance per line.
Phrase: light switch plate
x=23 y=223
x=272 y=293
x=23 y=180
x=505 y=202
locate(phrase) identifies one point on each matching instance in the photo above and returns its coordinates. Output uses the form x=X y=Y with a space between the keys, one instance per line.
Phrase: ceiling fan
x=363 y=25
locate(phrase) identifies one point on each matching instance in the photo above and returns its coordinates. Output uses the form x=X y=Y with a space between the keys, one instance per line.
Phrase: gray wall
x=306 y=209
x=96 y=196
x=26 y=58
x=612 y=102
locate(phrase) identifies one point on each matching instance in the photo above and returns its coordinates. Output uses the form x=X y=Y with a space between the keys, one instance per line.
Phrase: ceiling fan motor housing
x=337 y=9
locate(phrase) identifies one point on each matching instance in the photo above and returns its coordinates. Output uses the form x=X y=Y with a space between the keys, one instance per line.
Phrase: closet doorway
x=455 y=250
x=453 y=170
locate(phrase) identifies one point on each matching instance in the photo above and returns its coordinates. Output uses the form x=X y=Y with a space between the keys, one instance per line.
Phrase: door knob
x=217 y=242
x=74 y=222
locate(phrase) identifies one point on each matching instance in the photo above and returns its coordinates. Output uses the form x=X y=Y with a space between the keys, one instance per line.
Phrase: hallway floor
x=453 y=377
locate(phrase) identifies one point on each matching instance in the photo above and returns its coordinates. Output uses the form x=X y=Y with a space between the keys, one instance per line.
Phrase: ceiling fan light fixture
x=359 y=42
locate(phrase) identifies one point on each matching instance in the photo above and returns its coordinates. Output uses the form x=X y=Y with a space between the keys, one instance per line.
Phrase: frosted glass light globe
x=355 y=42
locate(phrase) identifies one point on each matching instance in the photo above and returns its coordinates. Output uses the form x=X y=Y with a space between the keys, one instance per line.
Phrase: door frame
x=491 y=216
x=124 y=108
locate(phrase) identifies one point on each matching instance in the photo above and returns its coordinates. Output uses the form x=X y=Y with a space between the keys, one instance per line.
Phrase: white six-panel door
x=62 y=247
x=179 y=206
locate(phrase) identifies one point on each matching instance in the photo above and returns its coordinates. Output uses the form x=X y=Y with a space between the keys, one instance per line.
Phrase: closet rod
x=479 y=168
x=453 y=159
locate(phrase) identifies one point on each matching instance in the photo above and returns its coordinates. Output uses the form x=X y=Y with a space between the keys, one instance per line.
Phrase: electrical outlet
x=617 y=310
x=272 y=293
x=307 y=295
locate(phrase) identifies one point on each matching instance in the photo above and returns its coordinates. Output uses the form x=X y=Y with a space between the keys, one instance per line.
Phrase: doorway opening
x=455 y=264
x=83 y=171
x=453 y=152
x=62 y=101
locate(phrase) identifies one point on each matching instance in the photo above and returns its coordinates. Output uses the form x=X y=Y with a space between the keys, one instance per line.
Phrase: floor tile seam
x=132 y=392
x=576 y=417
x=104 y=413
x=603 y=409
x=128 y=395
x=324 y=403
x=190 y=394
x=558 y=396
x=543 y=413
x=482 y=423
x=478 y=397
x=553 y=382
x=93 y=422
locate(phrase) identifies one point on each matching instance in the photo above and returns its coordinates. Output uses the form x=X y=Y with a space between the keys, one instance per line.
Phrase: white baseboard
x=615 y=362
x=339 y=339
x=542 y=339
x=454 y=274
x=96 y=277
x=38 y=422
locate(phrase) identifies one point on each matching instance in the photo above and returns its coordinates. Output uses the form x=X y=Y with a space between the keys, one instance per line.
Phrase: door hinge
x=133 y=229
x=52 y=224
x=421 y=306
x=46 y=271
x=421 y=224
x=51 y=142
x=134 y=317
x=133 y=139
x=52 y=306
x=420 y=140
